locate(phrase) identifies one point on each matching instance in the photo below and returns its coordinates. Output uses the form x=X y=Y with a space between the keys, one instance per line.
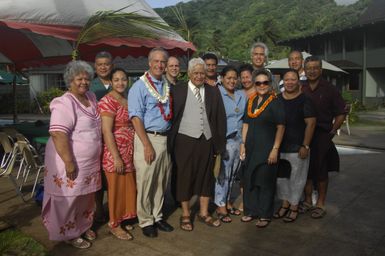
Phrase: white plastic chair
x=6 y=171
x=31 y=166
x=7 y=148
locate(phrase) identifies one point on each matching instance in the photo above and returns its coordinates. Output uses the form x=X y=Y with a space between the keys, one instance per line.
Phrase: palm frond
x=107 y=24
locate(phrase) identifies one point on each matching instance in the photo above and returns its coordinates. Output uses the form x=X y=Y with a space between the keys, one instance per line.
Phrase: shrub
x=45 y=98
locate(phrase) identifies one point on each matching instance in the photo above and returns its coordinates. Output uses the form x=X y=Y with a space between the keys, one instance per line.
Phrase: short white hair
x=260 y=45
x=75 y=68
x=195 y=62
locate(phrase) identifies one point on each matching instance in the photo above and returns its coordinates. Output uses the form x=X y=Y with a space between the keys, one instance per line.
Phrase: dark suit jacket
x=215 y=110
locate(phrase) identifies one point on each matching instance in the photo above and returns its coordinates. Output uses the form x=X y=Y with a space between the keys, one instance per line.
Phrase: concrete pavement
x=354 y=224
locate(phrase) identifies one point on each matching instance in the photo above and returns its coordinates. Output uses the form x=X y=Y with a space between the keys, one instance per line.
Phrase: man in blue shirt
x=149 y=109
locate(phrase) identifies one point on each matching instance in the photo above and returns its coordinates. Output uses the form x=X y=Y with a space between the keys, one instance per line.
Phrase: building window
x=354 y=81
x=317 y=47
x=375 y=37
x=354 y=42
x=335 y=45
x=55 y=80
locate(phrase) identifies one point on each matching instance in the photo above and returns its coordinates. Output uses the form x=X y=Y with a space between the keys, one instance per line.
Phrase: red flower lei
x=257 y=112
x=160 y=105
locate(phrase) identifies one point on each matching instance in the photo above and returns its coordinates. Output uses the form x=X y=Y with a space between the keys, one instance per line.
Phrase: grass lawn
x=14 y=242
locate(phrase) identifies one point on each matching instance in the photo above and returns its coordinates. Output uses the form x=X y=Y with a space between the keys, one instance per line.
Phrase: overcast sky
x=163 y=3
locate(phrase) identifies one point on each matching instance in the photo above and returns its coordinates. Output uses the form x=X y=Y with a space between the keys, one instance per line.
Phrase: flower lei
x=258 y=111
x=161 y=99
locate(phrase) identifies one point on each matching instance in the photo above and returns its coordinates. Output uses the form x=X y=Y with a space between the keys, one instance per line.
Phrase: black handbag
x=284 y=169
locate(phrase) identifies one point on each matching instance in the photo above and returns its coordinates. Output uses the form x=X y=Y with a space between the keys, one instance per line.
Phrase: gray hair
x=195 y=62
x=103 y=54
x=75 y=68
x=260 y=45
x=157 y=49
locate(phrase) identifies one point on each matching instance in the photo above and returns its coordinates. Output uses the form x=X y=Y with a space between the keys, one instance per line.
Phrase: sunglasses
x=258 y=83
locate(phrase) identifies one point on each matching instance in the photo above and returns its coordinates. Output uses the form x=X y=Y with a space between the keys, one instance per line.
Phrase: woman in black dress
x=262 y=134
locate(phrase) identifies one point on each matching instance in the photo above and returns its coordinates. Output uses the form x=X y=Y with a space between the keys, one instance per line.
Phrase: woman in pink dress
x=72 y=160
x=118 y=135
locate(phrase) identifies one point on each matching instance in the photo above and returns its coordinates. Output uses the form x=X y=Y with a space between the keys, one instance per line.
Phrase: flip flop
x=225 y=218
x=262 y=223
x=247 y=218
x=234 y=211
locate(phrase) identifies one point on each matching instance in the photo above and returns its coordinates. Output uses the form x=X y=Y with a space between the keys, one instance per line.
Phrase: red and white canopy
x=42 y=32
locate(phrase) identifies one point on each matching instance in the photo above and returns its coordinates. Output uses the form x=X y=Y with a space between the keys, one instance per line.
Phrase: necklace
x=161 y=99
x=258 y=111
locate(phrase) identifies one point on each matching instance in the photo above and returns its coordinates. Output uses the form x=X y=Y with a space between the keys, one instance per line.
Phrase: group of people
x=277 y=144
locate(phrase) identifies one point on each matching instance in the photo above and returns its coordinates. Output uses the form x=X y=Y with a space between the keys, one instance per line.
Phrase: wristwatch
x=306 y=146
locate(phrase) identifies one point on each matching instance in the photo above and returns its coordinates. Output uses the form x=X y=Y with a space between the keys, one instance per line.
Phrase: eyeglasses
x=258 y=83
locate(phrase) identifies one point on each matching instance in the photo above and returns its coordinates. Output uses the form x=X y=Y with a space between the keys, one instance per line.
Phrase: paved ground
x=354 y=225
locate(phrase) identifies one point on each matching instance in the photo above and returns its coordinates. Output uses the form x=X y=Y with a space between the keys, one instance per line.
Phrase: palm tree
x=109 y=24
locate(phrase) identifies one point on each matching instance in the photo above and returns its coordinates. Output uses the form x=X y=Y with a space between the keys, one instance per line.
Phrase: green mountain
x=229 y=27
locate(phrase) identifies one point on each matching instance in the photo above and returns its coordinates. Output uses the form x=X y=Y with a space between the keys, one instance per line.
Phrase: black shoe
x=162 y=225
x=150 y=231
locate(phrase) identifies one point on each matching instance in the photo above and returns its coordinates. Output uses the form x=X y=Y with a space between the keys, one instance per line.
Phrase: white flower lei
x=166 y=89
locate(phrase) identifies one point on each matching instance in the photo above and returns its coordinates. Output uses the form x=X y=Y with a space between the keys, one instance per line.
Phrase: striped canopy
x=42 y=32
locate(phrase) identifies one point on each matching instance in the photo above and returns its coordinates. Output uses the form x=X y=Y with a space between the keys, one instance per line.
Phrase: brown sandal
x=185 y=223
x=262 y=223
x=318 y=213
x=282 y=211
x=209 y=221
x=121 y=234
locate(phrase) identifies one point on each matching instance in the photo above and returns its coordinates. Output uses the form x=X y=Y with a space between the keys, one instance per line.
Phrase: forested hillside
x=229 y=27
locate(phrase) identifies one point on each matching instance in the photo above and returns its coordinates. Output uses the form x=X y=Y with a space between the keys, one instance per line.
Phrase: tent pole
x=14 y=95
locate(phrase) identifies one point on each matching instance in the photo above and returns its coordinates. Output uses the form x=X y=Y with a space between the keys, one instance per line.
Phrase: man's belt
x=157 y=133
x=231 y=135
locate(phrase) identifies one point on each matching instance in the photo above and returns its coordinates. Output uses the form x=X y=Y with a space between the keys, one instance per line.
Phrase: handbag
x=217 y=165
x=284 y=169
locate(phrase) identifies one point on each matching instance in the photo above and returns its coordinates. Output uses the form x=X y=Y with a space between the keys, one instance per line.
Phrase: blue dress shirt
x=145 y=106
x=235 y=108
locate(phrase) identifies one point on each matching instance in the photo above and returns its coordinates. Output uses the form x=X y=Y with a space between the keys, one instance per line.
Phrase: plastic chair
x=7 y=172
x=24 y=142
x=31 y=166
x=7 y=148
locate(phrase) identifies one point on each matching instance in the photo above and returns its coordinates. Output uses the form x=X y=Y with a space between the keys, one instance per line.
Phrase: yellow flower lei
x=258 y=111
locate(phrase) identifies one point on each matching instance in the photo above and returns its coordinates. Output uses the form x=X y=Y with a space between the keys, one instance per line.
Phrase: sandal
x=262 y=223
x=185 y=223
x=282 y=211
x=79 y=243
x=224 y=217
x=291 y=216
x=234 y=211
x=318 y=213
x=121 y=234
x=209 y=221
x=129 y=227
x=90 y=235
x=305 y=207
x=247 y=218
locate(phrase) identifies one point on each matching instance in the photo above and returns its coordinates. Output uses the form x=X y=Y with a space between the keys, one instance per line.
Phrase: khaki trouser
x=151 y=180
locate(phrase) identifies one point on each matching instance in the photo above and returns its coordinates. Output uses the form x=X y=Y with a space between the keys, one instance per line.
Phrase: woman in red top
x=118 y=136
